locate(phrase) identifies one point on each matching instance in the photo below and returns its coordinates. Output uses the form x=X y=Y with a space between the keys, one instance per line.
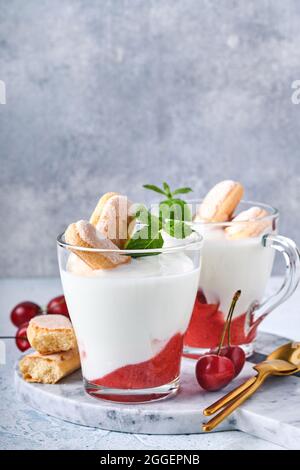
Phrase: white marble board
x=272 y=414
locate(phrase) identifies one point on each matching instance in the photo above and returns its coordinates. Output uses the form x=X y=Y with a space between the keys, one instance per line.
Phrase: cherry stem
x=230 y=313
x=228 y=320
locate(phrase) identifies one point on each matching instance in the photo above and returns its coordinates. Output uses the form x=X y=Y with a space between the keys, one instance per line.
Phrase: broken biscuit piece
x=50 y=334
x=49 y=369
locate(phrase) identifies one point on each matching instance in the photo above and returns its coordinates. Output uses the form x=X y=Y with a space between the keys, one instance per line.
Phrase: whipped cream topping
x=77 y=266
x=146 y=266
x=210 y=231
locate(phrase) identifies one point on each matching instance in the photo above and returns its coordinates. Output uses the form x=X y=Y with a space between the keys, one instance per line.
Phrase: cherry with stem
x=235 y=353
x=227 y=325
x=215 y=371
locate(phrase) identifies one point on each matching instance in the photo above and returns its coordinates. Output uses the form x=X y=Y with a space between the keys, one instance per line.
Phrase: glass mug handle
x=291 y=255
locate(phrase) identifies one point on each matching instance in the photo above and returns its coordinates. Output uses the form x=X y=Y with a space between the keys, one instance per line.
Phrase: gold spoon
x=285 y=360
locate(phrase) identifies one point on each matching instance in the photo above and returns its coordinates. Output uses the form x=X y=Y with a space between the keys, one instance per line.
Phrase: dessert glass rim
x=272 y=213
x=196 y=242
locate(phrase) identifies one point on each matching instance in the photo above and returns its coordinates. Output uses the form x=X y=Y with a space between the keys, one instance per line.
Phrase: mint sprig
x=143 y=216
x=166 y=191
x=171 y=219
x=172 y=208
x=154 y=188
x=181 y=191
x=148 y=236
x=177 y=228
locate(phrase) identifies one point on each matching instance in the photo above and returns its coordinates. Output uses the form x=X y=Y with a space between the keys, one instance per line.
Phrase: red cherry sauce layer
x=207 y=323
x=159 y=370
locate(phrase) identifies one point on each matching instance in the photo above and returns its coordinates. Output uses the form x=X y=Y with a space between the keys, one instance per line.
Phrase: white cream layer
x=229 y=265
x=126 y=315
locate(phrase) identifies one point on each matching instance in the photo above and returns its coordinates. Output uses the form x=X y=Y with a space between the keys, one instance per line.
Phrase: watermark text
x=2 y=92
x=295 y=98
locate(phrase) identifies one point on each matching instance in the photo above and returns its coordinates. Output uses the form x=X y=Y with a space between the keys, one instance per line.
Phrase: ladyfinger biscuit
x=114 y=218
x=254 y=224
x=49 y=369
x=220 y=202
x=83 y=234
x=50 y=334
x=99 y=207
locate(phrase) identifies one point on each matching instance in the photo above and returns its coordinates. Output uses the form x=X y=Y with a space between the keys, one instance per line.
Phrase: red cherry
x=214 y=372
x=58 y=306
x=23 y=312
x=236 y=355
x=215 y=369
x=21 y=338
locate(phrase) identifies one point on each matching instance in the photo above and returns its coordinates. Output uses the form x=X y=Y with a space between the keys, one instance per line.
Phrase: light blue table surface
x=24 y=428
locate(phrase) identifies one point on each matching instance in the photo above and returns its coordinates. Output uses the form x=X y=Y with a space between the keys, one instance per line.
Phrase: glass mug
x=229 y=265
x=130 y=321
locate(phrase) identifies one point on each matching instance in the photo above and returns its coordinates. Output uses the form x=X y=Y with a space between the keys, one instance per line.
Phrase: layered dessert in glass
x=234 y=258
x=130 y=309
x=239 y=243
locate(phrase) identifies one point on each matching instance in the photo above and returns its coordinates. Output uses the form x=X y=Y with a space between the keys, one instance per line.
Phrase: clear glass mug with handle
x=244 y=263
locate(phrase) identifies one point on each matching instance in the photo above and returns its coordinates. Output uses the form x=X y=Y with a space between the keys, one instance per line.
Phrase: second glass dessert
x=238 y=256
x=239 y=243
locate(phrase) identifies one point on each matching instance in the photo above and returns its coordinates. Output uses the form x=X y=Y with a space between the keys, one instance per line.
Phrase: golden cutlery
x=285 y=360
x=288 y=352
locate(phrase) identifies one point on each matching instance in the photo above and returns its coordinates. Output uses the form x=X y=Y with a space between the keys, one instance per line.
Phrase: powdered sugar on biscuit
x=53 y=322
x=214 y=197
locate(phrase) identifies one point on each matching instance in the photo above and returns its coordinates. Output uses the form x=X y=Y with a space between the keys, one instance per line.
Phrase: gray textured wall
x=107 y=95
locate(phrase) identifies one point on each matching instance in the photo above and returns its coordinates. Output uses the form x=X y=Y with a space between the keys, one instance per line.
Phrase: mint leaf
x=141 y=240
x=177 y=228
x=182 y=212
x=154 y=188
x=173 y=212
x=142 y=214
x=167 y=190
x=174 y=209
x=182 y=191
x=145 y=217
